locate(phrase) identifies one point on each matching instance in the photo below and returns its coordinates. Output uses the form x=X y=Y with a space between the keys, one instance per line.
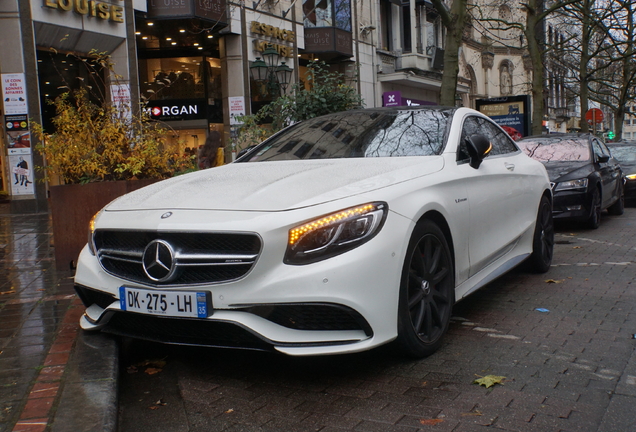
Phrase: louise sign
x=92 y=8
x=213 y=10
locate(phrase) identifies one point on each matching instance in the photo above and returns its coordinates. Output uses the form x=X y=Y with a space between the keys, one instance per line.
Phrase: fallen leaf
x=229 y=411
x=152 y=371
x=152 y=363
x=472 y=413
x=490 y=380
x=7 y=292
x=431 y=422
x=577 y=247
x=553 y=281
x=154 y=407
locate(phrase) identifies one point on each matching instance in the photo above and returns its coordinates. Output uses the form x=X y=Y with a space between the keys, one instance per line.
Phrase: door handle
x=509 y=166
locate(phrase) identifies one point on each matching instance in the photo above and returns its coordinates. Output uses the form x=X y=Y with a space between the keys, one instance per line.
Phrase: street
x=564 y=342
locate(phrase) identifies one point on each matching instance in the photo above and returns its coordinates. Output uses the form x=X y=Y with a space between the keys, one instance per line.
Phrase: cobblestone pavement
x=564 y=342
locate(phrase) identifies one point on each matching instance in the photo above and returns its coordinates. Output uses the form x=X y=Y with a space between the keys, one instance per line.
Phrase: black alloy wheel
x=594 y=221
x=427 y=291
x=543 y=240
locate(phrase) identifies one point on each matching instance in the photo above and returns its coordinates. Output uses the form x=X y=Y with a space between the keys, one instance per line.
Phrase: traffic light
x=611 y=135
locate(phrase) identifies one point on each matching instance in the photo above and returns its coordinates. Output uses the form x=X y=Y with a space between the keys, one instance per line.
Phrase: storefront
x=180 y=74
x=49 y=40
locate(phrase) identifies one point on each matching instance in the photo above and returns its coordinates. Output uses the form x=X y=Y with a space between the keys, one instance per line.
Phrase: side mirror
x=478 y=148
x=602 y=158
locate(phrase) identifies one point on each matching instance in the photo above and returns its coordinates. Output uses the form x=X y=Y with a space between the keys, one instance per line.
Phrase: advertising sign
x=21 y=177
x=16 y=122
x=237 y=109
x=120 y=94
x=512 y=113
x=14 y=94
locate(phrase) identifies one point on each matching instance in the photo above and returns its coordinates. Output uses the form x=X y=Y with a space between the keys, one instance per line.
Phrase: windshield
x=625 y=154
x=556 y=149
x=357 y=134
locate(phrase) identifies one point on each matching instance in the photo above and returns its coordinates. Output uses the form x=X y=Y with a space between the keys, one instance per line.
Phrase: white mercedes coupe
x=336 y=235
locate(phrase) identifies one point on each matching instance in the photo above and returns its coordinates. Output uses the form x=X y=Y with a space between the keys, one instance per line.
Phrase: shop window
x=61 y=73
x=180 y=78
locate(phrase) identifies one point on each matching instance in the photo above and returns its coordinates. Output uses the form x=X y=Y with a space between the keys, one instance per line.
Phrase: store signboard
x=21 y=178
x=394 y=98
x=211 y=10
x=177 y=109
x=170 y=8
x=14 y=93
x=328 y=40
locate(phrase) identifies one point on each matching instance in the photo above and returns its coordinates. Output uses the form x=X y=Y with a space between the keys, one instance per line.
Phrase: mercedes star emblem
x=159 y=260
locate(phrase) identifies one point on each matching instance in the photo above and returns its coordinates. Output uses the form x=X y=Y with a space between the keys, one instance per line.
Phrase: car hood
x=276 y=185
x=628 y=168
x=562 y=171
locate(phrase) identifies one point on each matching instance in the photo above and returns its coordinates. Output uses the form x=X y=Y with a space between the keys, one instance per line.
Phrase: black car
x=625 y=154
x=586 y=178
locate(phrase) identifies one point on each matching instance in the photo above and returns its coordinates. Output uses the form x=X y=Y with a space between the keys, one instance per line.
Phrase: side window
x=598 y=150
x=501 y=142
x=605 y=149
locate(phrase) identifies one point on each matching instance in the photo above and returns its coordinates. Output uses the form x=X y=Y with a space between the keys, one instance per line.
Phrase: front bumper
x=571 y=204
x=347 y=303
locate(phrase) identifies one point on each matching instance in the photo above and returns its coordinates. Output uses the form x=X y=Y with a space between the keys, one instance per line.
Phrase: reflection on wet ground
x=34 y=298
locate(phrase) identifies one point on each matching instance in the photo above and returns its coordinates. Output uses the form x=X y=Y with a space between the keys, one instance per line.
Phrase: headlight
x=91 y=230
x=631 y=177
x=571 y=184
x=335 y=233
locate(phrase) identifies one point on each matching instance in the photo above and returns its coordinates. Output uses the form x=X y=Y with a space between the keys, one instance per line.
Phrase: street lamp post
x=277 y=76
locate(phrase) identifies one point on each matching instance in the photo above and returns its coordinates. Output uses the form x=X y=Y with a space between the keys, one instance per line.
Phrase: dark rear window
x=556 y=149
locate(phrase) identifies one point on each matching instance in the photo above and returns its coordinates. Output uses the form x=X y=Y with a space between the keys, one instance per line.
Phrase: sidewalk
x=52 y=376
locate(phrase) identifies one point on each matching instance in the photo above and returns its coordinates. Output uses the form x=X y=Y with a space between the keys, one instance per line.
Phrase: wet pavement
x=564 y=341
x=48 y=374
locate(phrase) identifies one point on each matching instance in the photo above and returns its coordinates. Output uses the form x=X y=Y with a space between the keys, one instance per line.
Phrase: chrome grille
x=198 y=258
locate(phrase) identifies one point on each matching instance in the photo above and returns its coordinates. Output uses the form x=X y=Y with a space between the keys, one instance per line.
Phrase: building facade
x=193 y=61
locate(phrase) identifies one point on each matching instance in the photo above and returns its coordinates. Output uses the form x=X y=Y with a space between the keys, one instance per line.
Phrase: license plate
x=166 y=303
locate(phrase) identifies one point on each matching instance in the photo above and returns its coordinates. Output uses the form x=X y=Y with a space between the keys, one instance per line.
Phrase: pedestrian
x=211 y=154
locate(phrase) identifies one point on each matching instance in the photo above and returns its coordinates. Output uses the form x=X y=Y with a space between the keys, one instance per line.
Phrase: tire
x=594 y=220
x=618 y=208
x=543 y=239
x=427 y=292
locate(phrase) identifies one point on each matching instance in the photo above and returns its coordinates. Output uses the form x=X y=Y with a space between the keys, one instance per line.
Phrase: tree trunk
x=454 y=22
x=583 y=66
x=534 y=37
